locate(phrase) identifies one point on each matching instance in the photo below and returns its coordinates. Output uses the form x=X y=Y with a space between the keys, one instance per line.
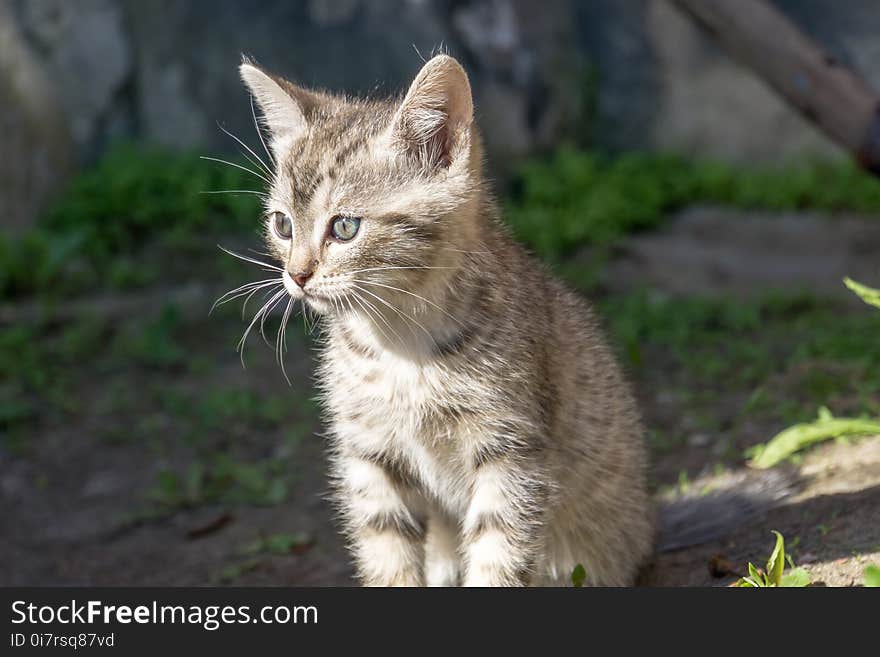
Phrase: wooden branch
x=834 y=98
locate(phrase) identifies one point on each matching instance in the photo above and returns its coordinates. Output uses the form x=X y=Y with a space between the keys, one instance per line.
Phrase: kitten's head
x=367 y=195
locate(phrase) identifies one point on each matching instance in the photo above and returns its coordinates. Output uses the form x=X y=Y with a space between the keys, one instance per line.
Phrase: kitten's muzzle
x=300 y=272
x=302 y=277
x=294 y=289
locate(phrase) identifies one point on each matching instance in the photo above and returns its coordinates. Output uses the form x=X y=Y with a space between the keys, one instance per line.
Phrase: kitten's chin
x=319 y=305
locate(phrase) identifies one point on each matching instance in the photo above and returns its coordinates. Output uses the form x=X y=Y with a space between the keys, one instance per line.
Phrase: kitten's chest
x=410 y=411
x=406 y=399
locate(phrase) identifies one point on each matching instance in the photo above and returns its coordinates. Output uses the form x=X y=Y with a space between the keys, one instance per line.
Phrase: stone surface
x=35 y=149
x=619 y=74
x=84 y=49
x=707 y=105
x=706 y=251
x=186 y=77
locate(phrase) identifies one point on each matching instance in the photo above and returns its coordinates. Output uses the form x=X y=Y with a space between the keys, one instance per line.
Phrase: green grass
x=134 y=192
x=38 y=366
x=224 y=479
x=154 y=342
x=714 y=337
x=281 y=543
x=575 y=198
x=134 y=196
x=794 y=352
x=800 y=436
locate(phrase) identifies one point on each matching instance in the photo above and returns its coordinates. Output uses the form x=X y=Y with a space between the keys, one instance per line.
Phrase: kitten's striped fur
x=481 y=431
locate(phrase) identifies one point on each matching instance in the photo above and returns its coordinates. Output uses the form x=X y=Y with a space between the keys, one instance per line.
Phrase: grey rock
x=619 y=74
x=717 y=251
x=708 y=105
x=36 y=148
x=84 y=49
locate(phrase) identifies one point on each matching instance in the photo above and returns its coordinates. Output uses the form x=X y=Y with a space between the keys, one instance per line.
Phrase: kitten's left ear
x=433 y=122
x=286 y=108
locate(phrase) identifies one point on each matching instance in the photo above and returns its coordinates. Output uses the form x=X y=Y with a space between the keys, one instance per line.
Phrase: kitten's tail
x=700 y=516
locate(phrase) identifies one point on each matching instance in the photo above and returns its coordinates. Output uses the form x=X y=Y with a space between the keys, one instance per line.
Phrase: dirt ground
x=81 y=504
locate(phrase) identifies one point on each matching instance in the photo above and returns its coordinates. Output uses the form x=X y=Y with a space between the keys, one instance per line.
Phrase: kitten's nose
x=301 y=277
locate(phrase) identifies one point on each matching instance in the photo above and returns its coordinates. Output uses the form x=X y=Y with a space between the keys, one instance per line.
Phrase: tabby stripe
x=401 y=523
x=395 y=469
x=487 y=522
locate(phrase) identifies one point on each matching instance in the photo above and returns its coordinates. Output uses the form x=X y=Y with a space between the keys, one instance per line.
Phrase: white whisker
x=237 y=166
x=263 y=321
x=378 y=314
x=270 y=266
x=314 y=319
x=248 y=148
x=401 y=314
x=449 y=248
x=262 y=253
x=260 y=132
x=257 y=316
x=358 y=271
x=236 y=191
x=247 y=299
x=237 y=292
x=412 y=294
x=279 y=339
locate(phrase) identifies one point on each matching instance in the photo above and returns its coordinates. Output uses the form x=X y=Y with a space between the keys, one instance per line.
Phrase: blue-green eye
x=282 y=225
x=344 y=228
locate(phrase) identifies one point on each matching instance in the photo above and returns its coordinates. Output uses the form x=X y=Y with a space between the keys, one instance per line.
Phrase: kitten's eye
x=282 y=225
x=344 y=228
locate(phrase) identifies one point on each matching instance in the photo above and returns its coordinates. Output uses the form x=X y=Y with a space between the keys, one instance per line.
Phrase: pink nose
x=301 y=278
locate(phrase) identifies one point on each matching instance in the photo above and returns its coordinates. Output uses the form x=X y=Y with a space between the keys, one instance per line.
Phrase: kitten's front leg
x=387 y=538
x=442 y=560
x=502 y=530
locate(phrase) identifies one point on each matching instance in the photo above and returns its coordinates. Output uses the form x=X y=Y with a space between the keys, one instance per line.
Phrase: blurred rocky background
x=616 y=74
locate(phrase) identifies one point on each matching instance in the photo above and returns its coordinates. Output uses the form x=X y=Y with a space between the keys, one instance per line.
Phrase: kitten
x=481 y=431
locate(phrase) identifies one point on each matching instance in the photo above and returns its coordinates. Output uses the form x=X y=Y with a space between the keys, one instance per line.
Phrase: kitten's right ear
x=286 y=108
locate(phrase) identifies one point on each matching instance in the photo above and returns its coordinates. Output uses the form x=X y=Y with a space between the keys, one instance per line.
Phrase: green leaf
x=284 y=543
x=195 y=476
x=277 y=492
x=802 y=435
x=281 y=543
x=235 y=571
x=578 y=575
x=797 y=577
x=869 y=295
x=756 y=576
x=748 y=583
x=872 y=576
x=776 y=563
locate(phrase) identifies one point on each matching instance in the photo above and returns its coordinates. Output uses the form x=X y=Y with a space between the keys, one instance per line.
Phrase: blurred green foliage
x=133 y=196
x=136 y=190
x=576 y=198
x=715 y=337
x=222 y=478
x=792 y=351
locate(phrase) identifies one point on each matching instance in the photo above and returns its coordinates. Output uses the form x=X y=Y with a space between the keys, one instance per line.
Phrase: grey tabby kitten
x=481 y=431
